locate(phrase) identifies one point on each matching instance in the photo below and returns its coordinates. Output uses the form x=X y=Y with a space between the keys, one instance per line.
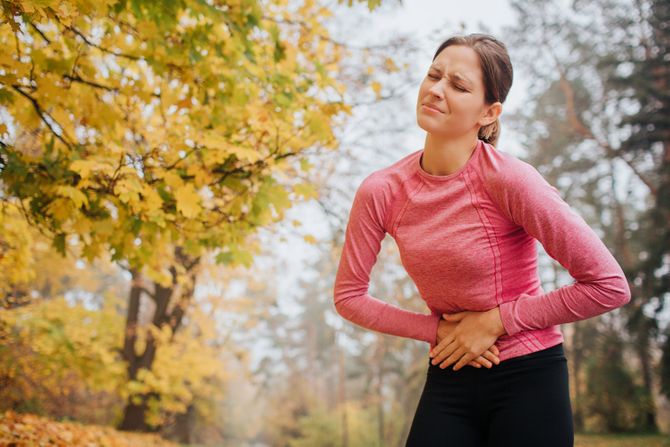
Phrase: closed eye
x=455 y=86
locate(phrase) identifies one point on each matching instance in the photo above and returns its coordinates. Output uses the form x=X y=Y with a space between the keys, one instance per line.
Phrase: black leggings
x=523 y=401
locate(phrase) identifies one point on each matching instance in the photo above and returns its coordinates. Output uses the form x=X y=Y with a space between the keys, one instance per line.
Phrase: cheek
x=463 y=103
x=423 y=90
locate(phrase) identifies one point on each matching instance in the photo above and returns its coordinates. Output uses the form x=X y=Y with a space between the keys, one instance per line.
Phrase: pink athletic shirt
x=467 y=240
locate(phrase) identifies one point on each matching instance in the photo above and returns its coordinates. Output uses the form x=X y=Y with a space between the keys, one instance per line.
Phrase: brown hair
x=496 y=68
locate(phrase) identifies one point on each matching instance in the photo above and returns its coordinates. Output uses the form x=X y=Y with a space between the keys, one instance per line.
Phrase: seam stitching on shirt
x=401 y=213
x=496 y=257
x=532 y=338
x=486 y=191
x=495 y=251
x=527 y=335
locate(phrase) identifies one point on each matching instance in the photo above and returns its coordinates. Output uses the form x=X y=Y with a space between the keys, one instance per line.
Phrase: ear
x=490 y=114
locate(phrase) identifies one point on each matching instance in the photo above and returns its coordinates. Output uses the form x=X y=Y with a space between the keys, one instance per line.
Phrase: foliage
x=323 y=428
x=606 y=371
x=187 y=369
x=29 y=429
x=63 y=359
x=144 y=129
x=16 y=256
x=52 y=352
x=141 y=125
x=596 y=123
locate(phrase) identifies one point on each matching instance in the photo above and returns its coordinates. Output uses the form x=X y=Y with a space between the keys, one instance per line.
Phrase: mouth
x=431 y=107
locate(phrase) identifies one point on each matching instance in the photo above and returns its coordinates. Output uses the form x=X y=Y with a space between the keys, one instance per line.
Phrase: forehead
x=459 y=60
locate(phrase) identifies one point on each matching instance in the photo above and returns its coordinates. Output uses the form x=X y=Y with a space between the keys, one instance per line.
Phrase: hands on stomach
x=468 y=338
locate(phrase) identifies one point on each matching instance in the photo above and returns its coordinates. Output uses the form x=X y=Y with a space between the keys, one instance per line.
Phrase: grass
x=621 y=440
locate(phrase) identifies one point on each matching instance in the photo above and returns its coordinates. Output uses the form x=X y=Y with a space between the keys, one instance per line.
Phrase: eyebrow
x=454 y=74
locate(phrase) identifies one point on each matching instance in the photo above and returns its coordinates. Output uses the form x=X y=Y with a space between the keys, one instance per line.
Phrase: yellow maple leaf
x=188 y=200
x=377 y=87
x=310 y=238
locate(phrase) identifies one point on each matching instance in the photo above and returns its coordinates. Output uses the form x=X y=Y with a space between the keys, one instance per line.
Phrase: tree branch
x=92 y=44
x=42 y=114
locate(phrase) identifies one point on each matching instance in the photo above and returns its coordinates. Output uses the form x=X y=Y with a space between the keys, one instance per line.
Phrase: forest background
x=175 y=180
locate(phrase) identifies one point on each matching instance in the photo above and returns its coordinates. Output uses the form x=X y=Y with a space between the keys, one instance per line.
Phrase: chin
x=430 y=126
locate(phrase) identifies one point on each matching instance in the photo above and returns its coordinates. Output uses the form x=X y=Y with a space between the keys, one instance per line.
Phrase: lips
x=433 y=106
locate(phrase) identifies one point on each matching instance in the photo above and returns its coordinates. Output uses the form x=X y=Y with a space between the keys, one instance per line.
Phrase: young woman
x=465 y=217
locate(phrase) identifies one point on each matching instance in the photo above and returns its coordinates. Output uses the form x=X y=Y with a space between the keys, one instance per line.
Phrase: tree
x=647 y=85
x=596 y=126
x=162 y=131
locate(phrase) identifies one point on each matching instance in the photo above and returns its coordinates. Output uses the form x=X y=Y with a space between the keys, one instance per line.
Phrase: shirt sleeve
x=531 y=202
x=363 y=236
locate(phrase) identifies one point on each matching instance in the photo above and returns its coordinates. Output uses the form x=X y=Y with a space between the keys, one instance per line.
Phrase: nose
x=436 y=90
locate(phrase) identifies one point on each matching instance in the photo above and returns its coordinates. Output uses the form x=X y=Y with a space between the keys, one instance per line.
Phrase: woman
x=465 y=217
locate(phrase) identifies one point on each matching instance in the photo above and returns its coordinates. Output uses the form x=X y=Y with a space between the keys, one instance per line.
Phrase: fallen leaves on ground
x=19 y=430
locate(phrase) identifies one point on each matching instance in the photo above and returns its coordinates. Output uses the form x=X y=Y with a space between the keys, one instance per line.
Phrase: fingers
x=443 y=350
x=442 y=345
x=492 y=357
x=449 y=356
x=445 y=355
x=479 y=362
x=483 y=361
x=464 y=360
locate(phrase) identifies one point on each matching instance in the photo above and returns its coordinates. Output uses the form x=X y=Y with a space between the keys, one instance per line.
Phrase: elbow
x=622 y=293
x=341 y=302
x=626 y=293
x=349 y=299
x=613 y=292
x=343 y=306
x=337 y=303
x=349 y=303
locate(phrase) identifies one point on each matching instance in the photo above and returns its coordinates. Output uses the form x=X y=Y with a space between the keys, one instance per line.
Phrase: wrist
x=499 y=328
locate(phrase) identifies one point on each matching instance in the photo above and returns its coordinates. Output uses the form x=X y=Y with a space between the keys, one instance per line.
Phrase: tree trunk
x=577 y=361
x=134 y=413
x=342 y=395
x=380 y=355
x=642 y=348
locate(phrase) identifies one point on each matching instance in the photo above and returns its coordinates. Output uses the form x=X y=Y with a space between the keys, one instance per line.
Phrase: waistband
x=555 y=351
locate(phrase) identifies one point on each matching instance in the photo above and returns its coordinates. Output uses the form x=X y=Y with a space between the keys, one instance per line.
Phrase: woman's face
x=454 y=85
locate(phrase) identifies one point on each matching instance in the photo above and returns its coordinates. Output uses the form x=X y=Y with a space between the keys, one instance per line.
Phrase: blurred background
x=175 y=181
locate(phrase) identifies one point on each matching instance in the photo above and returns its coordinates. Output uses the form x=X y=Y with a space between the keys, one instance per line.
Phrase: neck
x=444 y=156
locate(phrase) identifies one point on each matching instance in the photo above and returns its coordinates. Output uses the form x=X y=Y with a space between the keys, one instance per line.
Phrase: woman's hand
x=474 y=334
x=487 y=359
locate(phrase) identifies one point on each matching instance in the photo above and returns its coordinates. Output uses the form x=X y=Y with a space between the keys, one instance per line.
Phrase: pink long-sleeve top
x=468 y=241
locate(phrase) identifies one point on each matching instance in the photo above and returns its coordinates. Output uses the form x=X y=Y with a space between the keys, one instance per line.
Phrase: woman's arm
x=531 y=202
x=364 y=233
